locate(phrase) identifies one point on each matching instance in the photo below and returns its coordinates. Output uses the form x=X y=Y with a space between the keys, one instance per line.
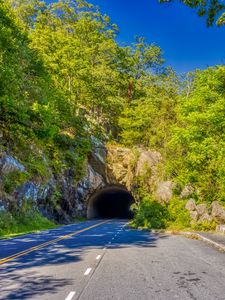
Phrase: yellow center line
x=22 y=253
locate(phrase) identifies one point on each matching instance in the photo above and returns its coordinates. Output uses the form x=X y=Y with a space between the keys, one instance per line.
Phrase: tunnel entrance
x=111 y=202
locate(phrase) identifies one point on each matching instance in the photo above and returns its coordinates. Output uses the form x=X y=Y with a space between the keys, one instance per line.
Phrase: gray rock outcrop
x=217 y=211
x=203 y=213
x=190 y=205
x=61 y=196
x=205 y=218
x=201 y=209
x=187 y=191
x=164 y=191
x=9 y=164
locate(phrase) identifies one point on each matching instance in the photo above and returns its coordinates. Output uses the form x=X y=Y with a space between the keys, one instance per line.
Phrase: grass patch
x=12 y=224
x=78 y=219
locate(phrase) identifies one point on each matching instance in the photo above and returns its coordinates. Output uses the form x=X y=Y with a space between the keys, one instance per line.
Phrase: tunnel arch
x=112 y=201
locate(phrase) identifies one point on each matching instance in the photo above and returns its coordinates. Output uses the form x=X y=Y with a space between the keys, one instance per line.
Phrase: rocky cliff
x=62 y=198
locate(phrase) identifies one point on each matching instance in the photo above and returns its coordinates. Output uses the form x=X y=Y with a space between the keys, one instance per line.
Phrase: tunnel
x=110 y=202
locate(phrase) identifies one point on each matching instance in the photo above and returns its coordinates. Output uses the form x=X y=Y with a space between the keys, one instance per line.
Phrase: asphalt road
x=99 y=259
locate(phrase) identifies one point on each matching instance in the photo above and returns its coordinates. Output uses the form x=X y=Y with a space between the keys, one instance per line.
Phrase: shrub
x=151 y=214
x=179 y=216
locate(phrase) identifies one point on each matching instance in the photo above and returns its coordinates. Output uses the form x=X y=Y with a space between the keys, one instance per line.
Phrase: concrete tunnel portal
x=110 y=202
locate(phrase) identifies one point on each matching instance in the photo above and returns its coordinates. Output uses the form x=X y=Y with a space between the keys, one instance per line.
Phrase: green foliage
x=150 y=214
x=59 y=83
x=64 y=78
x=204 y=226
x=13 y=180
x=179 y=216
x=221 y=20
x=22 y=222
x=147 y=119
x=196 y=149
x=79 y=52
x=54 y=200
x=153 y=215
x=6 y=223
x=185 y=122
x=173 y=216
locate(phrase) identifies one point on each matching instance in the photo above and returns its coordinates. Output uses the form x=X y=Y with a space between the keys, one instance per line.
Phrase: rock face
x=164 y=191
x=205 y=218
x=198 y=213
x=190 y=205
x=128 y=166
x=148 y=160
x=61 y=197
x=217 y=211
x=121 y=166
x=194 y=216
x=9 y=164
x=203 y=213
x=187 y=191
x=201 y=209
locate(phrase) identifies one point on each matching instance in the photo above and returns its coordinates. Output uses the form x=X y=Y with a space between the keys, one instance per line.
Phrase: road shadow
x=23 y=271
x=17 y=287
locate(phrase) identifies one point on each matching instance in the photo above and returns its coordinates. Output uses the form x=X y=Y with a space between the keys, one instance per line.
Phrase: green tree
x=24 y=81
x=196 y=149
x=147 y=120
x=138 y=60
x=78 y=47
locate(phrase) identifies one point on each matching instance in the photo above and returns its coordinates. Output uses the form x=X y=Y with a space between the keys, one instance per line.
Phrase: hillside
x=71 y=97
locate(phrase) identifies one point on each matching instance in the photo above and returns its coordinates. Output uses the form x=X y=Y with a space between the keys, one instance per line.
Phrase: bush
x=179 y=216
x=151 y=214
x=7 y=222
x=174 y=216
x=204 y=226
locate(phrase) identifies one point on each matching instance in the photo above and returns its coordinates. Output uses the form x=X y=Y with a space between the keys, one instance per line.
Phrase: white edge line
x=211 y=242
x=70 y=296
x=98 y=257
x=204 y=239
x=87 y=271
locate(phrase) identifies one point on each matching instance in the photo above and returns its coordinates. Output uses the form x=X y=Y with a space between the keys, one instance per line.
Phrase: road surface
x=104 y=259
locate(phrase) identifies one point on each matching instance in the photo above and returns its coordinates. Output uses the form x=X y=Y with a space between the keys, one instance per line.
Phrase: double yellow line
x=22 y=253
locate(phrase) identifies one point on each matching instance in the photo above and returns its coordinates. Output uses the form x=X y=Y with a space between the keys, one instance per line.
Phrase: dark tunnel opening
x=111 y=202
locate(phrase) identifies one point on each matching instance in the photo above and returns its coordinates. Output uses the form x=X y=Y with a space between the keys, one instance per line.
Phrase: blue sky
x=186 y=41
x=183 y=36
